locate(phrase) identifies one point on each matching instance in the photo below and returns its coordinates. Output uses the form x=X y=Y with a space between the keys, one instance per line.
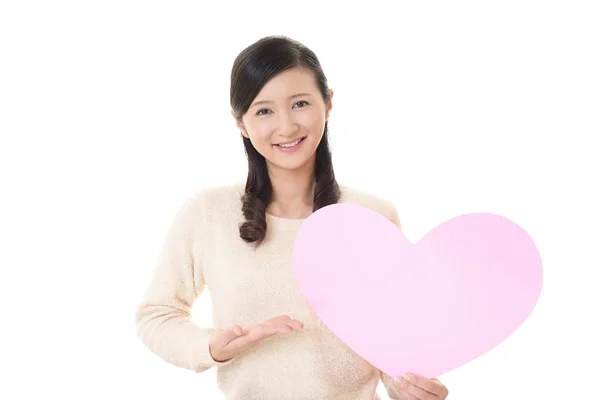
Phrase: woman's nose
x=286 y=119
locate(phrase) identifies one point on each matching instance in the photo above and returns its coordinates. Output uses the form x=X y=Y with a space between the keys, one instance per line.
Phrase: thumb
x=228 y=335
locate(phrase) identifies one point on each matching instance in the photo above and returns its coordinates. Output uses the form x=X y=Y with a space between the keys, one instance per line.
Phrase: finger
x=264 y=330
x=283 y=321
x=297 y=325
x=404 y=395
x=248 y=338
x=429 y=385
x=271 y=327
x=407 y=388
x=256 y=333
x=277 y=327
x=253 y=336
x=227 y=335
x=277 y=319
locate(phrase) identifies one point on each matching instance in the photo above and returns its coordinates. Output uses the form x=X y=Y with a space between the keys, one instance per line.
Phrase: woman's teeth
x=290 y=144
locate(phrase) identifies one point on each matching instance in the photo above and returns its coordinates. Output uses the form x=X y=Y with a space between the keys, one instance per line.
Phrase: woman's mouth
x=290 y=146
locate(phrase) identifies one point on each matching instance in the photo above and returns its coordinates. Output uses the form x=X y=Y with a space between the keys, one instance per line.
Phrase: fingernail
x=408 y=377
x=236 y=331
x=400 y=381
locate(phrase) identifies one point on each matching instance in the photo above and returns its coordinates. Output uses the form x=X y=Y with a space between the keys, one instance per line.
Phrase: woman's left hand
x=413 y=387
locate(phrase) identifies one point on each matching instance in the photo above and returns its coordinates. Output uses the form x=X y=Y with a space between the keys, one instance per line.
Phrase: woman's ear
x=330 y=104
x=240 y=124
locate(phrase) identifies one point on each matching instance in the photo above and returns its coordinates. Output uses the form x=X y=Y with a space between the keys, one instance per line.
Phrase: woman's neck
x=293 y=192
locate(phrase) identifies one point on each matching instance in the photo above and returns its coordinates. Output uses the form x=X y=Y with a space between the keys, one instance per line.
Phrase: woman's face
x=286 y=120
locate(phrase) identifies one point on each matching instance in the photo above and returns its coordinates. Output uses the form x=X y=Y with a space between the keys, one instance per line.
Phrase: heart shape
x=426 y=307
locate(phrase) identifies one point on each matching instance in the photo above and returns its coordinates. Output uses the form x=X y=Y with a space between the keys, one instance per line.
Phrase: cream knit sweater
x=247 y=286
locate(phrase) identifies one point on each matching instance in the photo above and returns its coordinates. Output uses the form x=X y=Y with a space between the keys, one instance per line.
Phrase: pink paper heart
x=426 y=307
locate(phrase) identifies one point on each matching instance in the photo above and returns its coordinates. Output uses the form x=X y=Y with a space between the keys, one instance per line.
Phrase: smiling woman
x=281 y=103
x=283 y=121
x=267 y=343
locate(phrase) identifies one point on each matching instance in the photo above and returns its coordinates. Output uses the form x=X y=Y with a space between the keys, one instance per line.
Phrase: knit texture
x=249 y=285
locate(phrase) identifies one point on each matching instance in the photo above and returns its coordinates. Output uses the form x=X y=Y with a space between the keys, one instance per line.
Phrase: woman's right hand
x=228 y=343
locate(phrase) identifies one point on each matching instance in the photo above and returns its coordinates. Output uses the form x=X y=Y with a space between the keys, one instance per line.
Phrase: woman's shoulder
x=219 y=197
x=369 y=199
x=220 y=193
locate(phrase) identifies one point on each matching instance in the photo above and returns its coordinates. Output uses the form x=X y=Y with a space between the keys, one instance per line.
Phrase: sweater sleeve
x=163 y=317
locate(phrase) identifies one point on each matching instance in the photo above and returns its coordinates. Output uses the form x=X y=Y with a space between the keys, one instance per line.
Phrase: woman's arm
x=163 y=319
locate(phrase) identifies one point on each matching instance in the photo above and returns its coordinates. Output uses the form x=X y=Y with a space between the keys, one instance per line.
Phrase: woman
x=237 y=240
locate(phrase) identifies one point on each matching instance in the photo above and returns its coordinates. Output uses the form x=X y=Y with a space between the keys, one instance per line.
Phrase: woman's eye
x=266 y=111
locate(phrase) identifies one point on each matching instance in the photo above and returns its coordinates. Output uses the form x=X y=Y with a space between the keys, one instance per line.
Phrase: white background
x=112 y=113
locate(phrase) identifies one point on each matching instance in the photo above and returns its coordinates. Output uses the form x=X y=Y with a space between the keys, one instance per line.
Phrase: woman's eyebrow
x=270 y=101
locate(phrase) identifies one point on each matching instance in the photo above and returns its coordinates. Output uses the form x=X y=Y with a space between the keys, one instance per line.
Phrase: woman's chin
x=292 y=163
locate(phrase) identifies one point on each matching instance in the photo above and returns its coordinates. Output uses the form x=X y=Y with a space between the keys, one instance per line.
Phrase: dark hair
x=252 y=69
